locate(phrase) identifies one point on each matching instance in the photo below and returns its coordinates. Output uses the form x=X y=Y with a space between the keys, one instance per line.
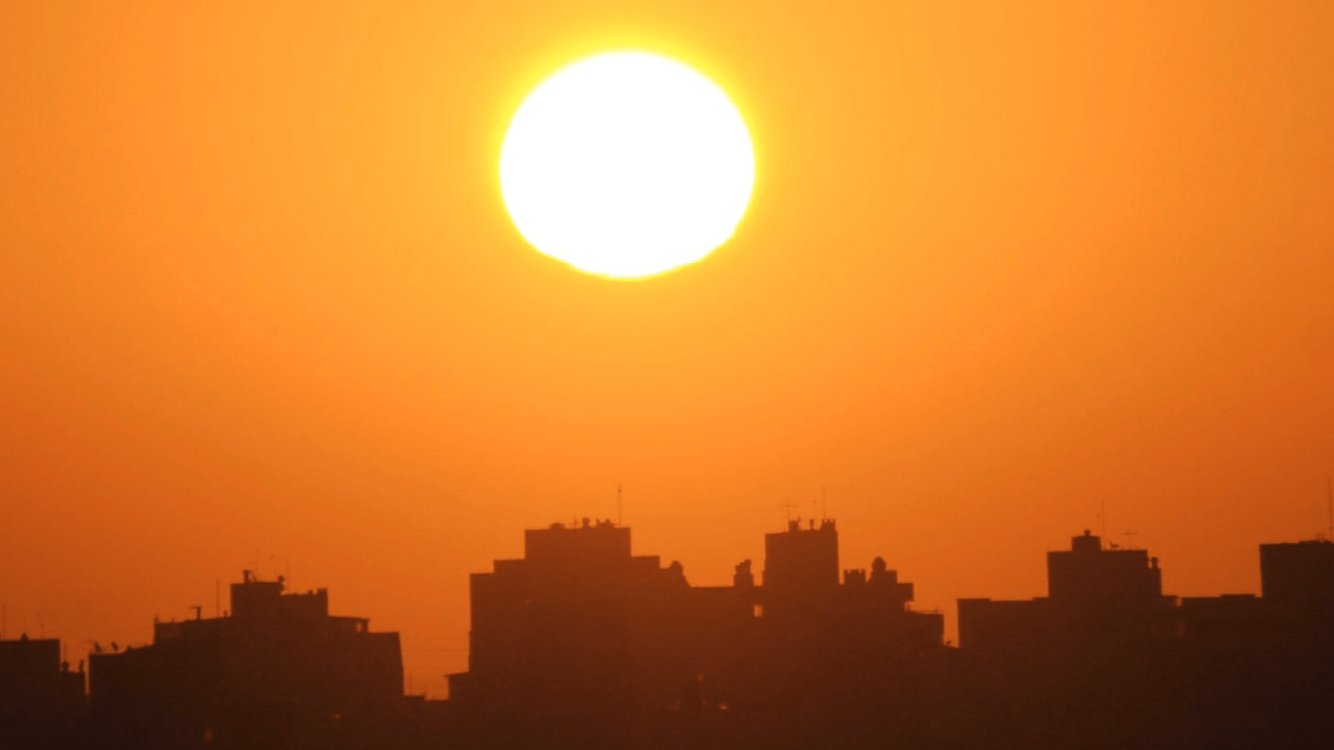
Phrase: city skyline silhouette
x=1001 y=273
x=582 y=643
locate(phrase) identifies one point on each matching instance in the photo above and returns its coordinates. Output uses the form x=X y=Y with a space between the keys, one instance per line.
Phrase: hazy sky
x=261 y=305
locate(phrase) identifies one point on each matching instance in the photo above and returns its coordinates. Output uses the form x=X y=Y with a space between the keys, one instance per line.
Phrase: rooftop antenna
x=618 y=503
x=1102 y=517
x=787 y=510
x=824 y=504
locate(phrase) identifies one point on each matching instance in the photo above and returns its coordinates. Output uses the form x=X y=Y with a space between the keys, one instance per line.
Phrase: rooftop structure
x=1097 y=597
x=1091 y=575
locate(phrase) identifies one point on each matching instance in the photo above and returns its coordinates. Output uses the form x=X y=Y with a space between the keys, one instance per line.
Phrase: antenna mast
x=618 y=504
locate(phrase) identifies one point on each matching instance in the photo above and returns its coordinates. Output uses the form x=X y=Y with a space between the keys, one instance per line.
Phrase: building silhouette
x=579 y=634
x=1097 y=599
x=278 y=671
x=41 y=698
x=583 y=641
x=1299 y=577
x=1106 y=660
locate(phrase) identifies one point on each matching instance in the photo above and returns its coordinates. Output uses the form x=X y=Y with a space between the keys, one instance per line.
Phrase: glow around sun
x=627 y=164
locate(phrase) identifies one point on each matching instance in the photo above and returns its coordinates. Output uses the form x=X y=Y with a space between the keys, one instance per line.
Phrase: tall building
x=582 y=628
x=581 y=619
x=800 y=569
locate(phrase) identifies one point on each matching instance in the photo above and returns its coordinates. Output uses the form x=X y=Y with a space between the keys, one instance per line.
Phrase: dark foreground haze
x=261 y=305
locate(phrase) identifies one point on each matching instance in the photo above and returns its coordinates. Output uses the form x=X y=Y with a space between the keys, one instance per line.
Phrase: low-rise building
x=277 y=669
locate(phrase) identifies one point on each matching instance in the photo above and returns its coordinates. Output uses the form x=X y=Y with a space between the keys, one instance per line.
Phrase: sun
x=627 y=164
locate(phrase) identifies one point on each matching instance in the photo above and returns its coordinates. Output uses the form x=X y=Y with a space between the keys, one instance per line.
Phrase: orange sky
x=260 y=301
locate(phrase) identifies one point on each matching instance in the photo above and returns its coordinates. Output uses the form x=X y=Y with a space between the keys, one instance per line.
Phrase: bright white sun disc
x=627 y=164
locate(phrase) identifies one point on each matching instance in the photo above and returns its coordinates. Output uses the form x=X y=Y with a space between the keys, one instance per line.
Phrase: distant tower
x=800 y=567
